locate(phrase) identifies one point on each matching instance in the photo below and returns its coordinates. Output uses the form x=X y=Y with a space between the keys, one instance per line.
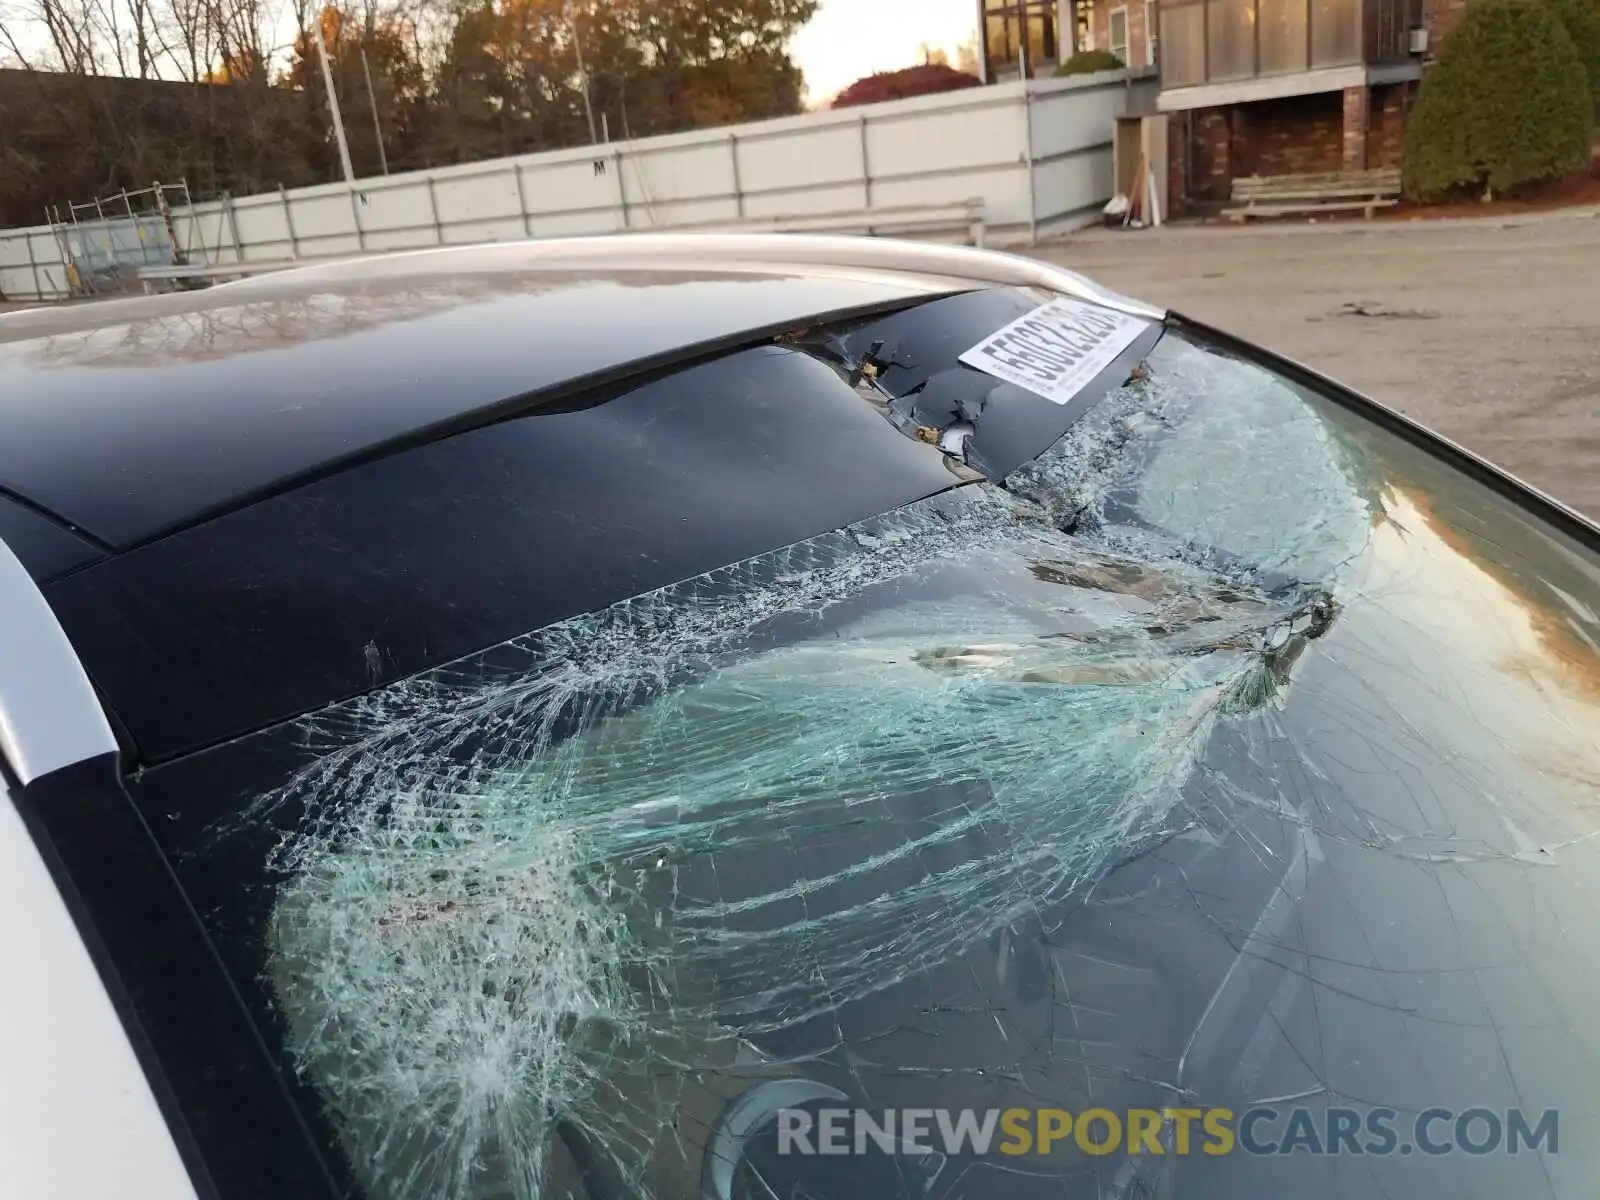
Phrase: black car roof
x=128 y=419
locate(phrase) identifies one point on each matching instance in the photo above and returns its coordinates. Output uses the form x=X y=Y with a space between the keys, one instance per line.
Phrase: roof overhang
x=1277 y=87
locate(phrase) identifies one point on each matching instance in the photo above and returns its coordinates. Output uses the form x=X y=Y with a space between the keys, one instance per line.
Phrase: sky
x=846 y=40
x=851 y=38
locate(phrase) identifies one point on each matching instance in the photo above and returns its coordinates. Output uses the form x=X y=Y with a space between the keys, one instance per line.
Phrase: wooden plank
x=1313 y=195
x=1298 y=185
x=1272 y=210
x=1136 y=199
x=1376 y=173
x=1280 y=185
x=1286 y=210
x=1363 y=184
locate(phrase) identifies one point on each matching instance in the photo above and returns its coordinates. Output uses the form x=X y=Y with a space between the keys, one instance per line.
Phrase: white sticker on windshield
x=1057 y=348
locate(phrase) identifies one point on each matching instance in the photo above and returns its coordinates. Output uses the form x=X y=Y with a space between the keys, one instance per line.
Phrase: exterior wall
x=1297 y=135
x=1359 y=128
x=1439 y=16
x=1211 y=154
x=1010 y=70
x=1070 y=133
x=1386 y=131
x=1038 y=154
x=1177 y=165
x=1353 y=140
x=1141 y=21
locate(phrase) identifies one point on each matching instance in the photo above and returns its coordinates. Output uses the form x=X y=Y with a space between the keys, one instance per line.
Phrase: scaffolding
x=104 y=242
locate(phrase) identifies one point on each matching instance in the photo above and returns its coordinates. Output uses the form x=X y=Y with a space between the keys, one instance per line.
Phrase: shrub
x=1506 y=103
x=1581 y=20
x=924 y=80
x=1087 y=62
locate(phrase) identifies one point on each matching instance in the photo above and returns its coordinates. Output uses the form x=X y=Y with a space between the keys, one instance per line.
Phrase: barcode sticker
x=1057 y=348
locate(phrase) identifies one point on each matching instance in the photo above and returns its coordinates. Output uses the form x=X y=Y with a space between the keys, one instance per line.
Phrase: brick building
x=1254 y=87
x=1025 y=38
x=1285 y=87
x=1127 y=28
x=1033 y=37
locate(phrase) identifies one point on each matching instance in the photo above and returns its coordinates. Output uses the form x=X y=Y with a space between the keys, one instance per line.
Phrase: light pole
x=372 y=99
x=583 y=73
x=333 y=107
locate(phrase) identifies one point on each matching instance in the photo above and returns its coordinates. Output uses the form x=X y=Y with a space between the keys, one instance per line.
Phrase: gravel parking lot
x=1487 y=331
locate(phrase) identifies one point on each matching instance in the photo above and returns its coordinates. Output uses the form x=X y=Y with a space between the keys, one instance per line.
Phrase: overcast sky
x=851 y=38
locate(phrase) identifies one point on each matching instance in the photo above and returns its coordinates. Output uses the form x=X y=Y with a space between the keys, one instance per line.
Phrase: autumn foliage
x=923 y=80
x=211 y=101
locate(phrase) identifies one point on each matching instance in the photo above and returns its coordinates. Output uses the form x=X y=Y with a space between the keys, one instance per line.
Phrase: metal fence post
x=866 y=162
x=738 y=183
x=622 y=190
x=33 y=265
x=355 y=215
x=522 y=202
x=1033 y=163
x=233 y=226
x=433 y=212
x=288 y=223
x=138 y=229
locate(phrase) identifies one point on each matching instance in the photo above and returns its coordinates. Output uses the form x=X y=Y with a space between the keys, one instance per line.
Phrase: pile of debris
x=1139 y=210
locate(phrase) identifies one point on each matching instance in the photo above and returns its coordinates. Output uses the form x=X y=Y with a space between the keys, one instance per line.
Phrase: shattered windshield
x=1231 y=756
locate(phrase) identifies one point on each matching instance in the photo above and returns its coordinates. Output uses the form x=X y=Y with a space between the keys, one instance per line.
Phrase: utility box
x=1141 y=135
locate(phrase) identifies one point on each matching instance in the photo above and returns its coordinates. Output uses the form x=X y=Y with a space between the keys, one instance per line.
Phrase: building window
x=1150 y=33
x=1183 y=44
x=1211 y=41
x=1283 y=36
x=1119 y=34
x=1230 y=39
x=1014 y=29
x=1043 y=45
x=1000 y=42
x=1335 y=32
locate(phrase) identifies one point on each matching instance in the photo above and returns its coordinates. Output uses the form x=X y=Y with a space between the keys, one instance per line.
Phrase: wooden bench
x=1336 y=191
x=889 y=219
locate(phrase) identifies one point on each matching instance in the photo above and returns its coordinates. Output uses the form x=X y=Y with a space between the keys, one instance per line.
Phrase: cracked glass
x=1231 y=751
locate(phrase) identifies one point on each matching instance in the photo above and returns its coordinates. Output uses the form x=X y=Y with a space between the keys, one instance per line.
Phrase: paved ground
x=1493 y=337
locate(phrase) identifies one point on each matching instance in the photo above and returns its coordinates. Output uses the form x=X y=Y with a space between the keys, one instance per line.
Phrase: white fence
x=1037 y=153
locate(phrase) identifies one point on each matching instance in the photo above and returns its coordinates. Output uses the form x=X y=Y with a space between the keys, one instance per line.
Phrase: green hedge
x=1087 y=62
x=1507 y=103
x=1581 y=19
